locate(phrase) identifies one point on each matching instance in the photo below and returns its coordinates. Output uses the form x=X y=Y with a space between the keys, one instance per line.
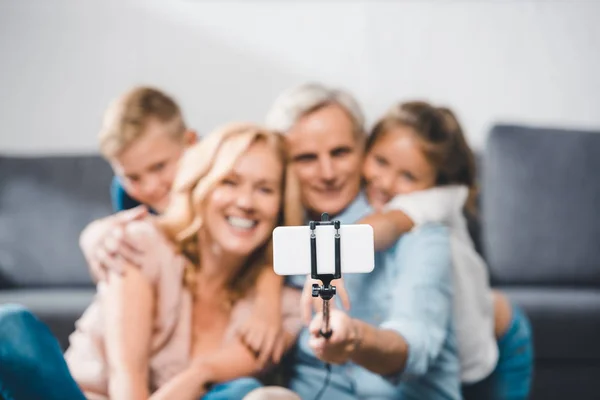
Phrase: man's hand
x=338 y=349
x=108 y=251
x=263 y=333
x=308 y=303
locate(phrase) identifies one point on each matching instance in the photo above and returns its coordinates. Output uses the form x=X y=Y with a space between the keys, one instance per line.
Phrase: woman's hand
x=263 y=332
x=308 y=303
x=345 y=337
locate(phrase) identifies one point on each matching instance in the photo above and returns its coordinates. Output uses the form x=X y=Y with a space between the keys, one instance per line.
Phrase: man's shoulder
x=424 y=236
x=426 y=232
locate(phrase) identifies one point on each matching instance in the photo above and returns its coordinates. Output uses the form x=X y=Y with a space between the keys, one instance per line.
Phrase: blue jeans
x=511 y=379
x=32 y=365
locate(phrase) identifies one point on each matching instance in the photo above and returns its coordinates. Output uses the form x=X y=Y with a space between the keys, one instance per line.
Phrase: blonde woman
x=167 y=330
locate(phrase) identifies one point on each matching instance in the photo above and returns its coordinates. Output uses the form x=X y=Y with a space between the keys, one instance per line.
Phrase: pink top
x=172 y=333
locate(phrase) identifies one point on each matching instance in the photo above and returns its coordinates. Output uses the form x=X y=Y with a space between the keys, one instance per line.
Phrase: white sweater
x=473 y=302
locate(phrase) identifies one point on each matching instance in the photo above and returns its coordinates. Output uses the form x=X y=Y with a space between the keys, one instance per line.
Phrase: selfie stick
x=325 y=291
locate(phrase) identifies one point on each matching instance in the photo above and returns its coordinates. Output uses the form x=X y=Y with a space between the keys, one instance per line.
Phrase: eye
x=381 y=161
x=229 y=182
x=341 y=151
x=409 y=176
x=266 y=189
x=133 y=178
x=158 y=166
x=305 y=158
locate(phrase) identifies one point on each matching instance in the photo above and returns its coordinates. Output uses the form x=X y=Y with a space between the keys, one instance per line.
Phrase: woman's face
x=242 y=210
x=396 y=165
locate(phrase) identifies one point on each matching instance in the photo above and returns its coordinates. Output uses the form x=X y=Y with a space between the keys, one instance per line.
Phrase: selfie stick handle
x=325 y=291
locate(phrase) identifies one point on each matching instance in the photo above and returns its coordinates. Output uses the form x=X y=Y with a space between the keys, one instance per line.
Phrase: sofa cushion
x=565 y=322
x=57 y=307
x=45 y=202
x=540 y=206
x=559 y=381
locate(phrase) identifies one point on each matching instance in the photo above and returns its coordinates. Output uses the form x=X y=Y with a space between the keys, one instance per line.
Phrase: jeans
x=32 y=365
x=511 y=379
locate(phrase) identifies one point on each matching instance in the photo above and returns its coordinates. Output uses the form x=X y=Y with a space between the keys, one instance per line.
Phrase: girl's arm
x=388 y=226
x=403 y=212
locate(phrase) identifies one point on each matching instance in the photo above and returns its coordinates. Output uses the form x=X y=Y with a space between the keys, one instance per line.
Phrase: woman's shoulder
x=145 y=232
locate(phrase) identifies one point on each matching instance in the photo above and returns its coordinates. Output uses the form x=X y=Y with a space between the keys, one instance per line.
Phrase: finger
x=278 y=349
x=138 y=212
x=130 y=256
x=315 y=325
x=306 y=303
x=132 y=214
x=109 y=262
x=266 y=350
x=317 y=344
x=110 y=242
x=242 y=332
x=98 y=271
x=254 y=340
x=317 y=304
x=134 y=245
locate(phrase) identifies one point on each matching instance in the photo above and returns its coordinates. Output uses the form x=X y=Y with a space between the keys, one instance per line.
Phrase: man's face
x=147 y=167
x=327 y=158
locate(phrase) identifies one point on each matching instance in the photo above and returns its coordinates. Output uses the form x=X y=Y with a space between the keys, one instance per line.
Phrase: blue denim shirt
x=410 y=292
x=120 y=199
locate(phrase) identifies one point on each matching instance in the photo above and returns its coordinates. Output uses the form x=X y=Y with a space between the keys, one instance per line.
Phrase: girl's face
x=396 y=165
x=242 y=211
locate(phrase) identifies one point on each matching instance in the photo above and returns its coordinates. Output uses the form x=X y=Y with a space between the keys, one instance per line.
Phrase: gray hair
x=301 y=100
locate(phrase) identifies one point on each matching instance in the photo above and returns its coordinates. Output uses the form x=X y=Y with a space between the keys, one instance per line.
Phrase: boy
x=143 y=136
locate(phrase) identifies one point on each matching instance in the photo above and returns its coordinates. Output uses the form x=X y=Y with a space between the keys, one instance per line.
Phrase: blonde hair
x=127 y=118
x=201 y=169
x=304 y=99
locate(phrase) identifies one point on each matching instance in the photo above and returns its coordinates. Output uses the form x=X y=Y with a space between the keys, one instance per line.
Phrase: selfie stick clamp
x=325 y=291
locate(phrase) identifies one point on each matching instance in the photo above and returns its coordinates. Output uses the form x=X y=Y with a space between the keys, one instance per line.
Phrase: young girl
x=418 y=169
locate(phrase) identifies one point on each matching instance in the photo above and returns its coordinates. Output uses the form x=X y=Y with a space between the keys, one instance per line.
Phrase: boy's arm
x=262 y=331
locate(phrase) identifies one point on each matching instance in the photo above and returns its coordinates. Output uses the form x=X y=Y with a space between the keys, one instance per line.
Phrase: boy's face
x=147 y=167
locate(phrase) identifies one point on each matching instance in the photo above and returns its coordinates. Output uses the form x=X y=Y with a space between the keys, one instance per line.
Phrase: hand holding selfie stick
x=325 y=291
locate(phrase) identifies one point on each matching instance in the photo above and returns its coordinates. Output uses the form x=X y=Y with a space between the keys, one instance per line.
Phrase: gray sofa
x=45 y=202
x=540 y=234
x=541 y=238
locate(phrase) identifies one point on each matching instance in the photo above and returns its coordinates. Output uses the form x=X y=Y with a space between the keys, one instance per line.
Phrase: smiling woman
x=167 y=330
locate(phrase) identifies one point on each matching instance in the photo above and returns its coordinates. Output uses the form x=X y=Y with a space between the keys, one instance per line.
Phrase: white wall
x=62 y=61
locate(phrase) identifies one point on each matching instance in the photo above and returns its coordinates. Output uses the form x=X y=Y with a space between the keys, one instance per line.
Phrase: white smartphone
x=291 y=249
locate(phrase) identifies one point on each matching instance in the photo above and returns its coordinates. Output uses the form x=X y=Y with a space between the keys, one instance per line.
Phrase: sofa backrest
x=541 y=206
x=45 y=202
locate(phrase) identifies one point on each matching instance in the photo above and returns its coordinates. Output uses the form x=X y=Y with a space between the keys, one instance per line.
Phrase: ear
x=190 y=137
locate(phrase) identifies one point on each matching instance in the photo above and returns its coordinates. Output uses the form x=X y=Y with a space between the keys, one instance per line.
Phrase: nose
x=326 y=169
x=244 y=199
x=386 y=183
x=151 y=186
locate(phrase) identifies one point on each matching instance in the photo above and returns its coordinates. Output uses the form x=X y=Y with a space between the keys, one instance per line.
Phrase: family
x=187 y=303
